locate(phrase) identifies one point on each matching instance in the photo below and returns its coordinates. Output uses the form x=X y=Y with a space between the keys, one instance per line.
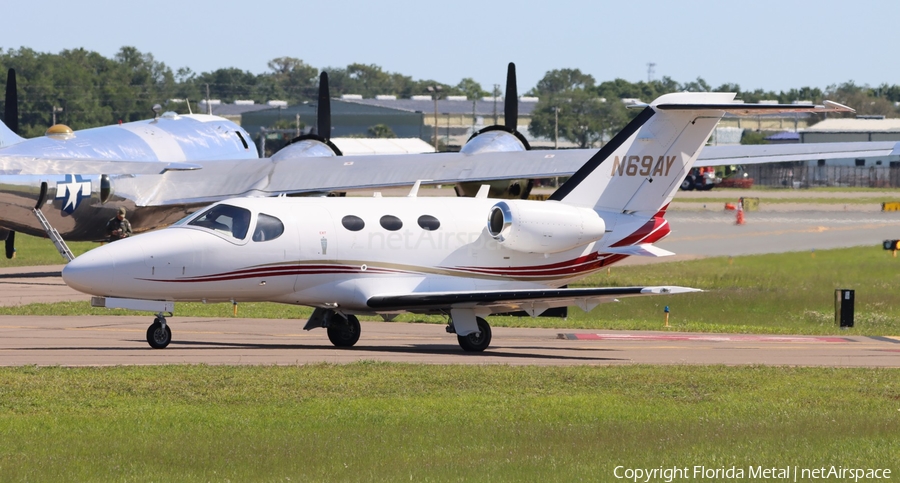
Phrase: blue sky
x=766 y=44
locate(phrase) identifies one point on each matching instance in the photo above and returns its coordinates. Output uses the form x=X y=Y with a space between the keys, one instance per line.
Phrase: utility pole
x=208 y=106
x=650 y=71
x=435 y=93
x=556 y=128
x=496 y=94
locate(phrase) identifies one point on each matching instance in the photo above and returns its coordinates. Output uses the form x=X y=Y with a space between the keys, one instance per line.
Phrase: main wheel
x=157 y=336
x=344 y=332
x=476 y=341
x=688 y=183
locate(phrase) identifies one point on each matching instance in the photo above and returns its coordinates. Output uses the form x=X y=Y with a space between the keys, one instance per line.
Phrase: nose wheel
x=158 y=334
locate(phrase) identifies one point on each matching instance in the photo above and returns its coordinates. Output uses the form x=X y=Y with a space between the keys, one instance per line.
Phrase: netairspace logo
x=770 y=473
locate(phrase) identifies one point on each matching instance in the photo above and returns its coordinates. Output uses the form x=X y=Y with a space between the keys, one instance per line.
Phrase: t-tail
x=641 y=168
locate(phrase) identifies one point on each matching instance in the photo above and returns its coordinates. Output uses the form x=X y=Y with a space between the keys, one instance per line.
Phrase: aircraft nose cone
x=96 y=271
x=87 y=272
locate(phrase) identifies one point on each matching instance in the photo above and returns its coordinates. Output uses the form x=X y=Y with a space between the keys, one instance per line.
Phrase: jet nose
x=96 y=271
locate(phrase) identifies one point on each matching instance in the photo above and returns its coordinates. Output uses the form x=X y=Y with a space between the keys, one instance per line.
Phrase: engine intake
x=543 y=226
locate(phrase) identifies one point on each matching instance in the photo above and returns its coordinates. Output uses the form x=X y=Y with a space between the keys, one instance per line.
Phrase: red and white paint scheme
x=464 y=257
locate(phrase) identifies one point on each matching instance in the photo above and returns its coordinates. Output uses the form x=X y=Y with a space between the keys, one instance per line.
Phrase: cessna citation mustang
x=463 y=257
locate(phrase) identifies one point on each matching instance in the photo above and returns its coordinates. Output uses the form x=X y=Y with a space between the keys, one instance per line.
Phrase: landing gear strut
x=158 y=334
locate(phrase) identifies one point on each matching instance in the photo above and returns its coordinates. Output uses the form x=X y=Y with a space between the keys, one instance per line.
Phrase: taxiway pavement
x=111 y=340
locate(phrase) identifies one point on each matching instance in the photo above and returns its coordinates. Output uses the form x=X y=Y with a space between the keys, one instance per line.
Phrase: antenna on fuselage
x=189 y=105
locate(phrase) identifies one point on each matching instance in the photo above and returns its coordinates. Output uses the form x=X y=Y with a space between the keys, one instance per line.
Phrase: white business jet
x=463 y=257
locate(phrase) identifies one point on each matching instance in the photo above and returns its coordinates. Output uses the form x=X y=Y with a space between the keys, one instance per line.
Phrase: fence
x=804 y=176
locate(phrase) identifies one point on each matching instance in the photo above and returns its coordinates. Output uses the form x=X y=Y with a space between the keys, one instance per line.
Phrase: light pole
x=435 y=91
x=556 y=128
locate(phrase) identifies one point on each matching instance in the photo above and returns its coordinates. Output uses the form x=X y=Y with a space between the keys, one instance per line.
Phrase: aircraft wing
x=531 y=301
x=199 y=182
x=265 y=177
x=38 y=166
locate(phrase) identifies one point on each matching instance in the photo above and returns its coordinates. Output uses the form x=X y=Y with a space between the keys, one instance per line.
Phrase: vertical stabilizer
x=641 y=168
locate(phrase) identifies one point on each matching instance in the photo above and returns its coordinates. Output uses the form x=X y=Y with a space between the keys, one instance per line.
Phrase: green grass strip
x=389 y=422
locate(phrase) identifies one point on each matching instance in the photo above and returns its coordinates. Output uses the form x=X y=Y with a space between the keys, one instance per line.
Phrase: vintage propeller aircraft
x=78 y=165
x=466 y=258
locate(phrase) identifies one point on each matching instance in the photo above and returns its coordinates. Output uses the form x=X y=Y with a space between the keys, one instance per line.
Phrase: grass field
x=392 y=422
x=788 y=293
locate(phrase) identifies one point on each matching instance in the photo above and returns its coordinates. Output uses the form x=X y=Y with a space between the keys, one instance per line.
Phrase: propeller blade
x=11 y=118
x=323 y=113
x=511 y=102
x=11 y=245
x=11 y=110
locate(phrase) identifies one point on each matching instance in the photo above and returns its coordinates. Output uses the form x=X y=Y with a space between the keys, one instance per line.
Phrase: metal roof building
x=860 y=129
x=347 y=119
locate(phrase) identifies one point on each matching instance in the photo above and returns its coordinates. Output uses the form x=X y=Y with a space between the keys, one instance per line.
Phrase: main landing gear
x=475 y=341
x=343 y=330
x=158 y=334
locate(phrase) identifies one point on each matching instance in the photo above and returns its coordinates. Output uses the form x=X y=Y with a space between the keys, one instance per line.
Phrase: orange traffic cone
x=740 y=215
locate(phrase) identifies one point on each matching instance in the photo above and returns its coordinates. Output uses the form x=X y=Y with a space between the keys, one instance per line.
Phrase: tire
x=688 y=183
x=344 y=332
x=157 y=337
x=476 y=342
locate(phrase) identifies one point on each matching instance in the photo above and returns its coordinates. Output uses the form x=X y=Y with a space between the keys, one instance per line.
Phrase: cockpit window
x=227 y=219
x=267 y=228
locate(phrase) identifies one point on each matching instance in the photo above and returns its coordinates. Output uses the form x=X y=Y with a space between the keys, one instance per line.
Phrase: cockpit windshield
x=231 y=220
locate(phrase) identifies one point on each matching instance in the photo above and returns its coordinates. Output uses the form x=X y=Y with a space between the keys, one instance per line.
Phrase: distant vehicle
x=708 y=177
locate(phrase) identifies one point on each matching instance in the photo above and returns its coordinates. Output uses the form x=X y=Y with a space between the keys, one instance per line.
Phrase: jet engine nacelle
x=543 y=226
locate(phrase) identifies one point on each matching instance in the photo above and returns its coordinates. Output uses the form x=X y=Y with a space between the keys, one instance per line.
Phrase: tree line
x=86 y=89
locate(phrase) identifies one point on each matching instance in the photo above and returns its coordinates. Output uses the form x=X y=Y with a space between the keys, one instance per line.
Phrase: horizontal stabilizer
x=642 y=250
x=742 y=109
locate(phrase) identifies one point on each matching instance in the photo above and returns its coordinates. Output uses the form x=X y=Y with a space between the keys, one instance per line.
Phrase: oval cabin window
x=353 y=223
x=429 y=223
x=391 y=223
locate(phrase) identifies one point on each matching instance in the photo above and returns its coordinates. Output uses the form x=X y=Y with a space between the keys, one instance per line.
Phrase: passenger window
x=227 y=219
x=429 y=223
x=353 y=223
x=391 y=223
x=267 y=228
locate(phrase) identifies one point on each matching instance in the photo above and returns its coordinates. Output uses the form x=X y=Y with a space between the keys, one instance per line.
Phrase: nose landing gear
x=158 y=334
